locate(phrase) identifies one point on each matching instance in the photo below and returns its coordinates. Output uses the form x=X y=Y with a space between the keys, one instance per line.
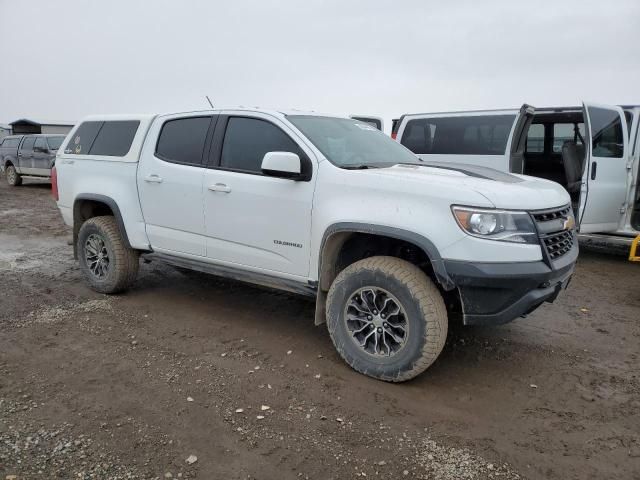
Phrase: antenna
x=208 y=100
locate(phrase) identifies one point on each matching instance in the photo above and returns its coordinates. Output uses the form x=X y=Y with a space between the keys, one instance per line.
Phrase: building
x=24 y=125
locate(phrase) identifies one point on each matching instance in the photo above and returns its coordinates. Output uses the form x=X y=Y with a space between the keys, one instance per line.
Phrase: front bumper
x=497 y=293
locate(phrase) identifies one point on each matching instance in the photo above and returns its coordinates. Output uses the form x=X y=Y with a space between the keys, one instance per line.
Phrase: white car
x=598 y=165
x=392 y=248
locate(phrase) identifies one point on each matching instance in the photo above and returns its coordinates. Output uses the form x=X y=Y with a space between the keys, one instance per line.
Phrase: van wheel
x=13 y=178
x=386 y=318
x=107 y=264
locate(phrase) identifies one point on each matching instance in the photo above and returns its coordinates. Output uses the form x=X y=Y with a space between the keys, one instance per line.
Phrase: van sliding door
x=604 y=181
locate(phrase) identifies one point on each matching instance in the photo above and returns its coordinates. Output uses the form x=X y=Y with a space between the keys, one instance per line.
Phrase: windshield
x=54 y=142
x=350 y=143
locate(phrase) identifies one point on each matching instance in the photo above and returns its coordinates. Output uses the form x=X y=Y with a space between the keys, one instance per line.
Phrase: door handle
x=220 y=187
x=153 y=179
x=594 y=170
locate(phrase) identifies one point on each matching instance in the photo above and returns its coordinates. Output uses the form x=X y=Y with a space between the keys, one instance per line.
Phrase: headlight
x=502 y=225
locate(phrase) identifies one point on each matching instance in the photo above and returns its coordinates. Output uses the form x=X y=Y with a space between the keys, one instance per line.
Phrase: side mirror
x=282 y=164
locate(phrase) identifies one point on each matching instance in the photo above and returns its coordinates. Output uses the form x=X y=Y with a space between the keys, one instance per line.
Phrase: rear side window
x=607 y=133
x=114 y=138
x=27 y=145
x=566 y=132
x=111 y=138
x=472 y=135
x=535 y=138
x=83 y=138
x=182 y=140
x=247 y=140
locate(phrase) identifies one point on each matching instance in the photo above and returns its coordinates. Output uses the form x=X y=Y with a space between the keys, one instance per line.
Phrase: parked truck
x=28 y=156
x=392 y=248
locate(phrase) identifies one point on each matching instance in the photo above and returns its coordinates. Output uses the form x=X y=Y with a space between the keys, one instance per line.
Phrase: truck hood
x=503 y=190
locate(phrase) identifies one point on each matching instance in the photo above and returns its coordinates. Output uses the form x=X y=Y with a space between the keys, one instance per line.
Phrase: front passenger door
x=252 y=219
x=41 y=157
x=25 y=156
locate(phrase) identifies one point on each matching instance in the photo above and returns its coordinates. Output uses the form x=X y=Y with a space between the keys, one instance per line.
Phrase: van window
x=470 y=135
x=27 y=145
x=535 y=138
x=607 y=135
x=182 y=140
x=371 y=121
x=114 y=138
x=564 y=132
x=247 y=140
x=83 y=138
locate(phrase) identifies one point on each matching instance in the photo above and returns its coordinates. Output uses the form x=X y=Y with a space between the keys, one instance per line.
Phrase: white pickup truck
x=391 y=247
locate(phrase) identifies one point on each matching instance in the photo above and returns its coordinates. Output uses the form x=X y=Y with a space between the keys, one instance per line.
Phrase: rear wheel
x=386 y=318
x=107 y=264
x=13 y=177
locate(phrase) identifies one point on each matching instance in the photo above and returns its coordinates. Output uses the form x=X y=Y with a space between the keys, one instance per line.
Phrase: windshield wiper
x=361 y=166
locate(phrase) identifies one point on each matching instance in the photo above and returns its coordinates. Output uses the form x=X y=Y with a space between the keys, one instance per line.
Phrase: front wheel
x=107 y=264
x=13 y=177
x=386 y=318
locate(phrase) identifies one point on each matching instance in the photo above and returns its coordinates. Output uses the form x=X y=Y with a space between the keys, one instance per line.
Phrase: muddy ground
x=131 y=386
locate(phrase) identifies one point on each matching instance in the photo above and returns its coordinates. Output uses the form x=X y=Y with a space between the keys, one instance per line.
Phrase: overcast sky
x=61 y=60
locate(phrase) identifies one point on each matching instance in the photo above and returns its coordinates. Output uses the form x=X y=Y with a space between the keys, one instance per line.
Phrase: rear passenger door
x=252 y=219
x=605 y=179
x=25 y=156
x=170 y=175
x=476 y=138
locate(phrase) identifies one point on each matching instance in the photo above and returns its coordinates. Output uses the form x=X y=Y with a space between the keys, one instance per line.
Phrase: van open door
x=519 y=138
x=604 y=181
x=375 y=121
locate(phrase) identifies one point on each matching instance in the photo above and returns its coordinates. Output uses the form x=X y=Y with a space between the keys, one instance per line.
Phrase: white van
x=591 y=150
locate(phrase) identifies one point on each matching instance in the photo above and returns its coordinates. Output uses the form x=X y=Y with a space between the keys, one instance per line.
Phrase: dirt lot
x=131 y=386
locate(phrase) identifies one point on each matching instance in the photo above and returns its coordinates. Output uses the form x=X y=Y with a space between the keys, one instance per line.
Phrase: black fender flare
x=110 y=202
x=442 y=277
x=423 y=242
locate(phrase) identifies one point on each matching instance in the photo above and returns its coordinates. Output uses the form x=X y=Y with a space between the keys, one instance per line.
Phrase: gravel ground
x=190 y=376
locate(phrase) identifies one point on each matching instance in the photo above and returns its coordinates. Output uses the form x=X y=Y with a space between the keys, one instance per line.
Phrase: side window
x=182 y=140
x=114 y=138
x=418 y=135
x=606 y=131
x=460 y=135
x=564 y=132
x=83 y=138
x=41 y=143
x=535 y=138
x=11 y=142
x=247 y=140
x=27 y=145
x=55 y=142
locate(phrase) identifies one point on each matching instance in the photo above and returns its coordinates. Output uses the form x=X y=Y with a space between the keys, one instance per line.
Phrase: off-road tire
x=13 y=178
x=123 y=261
x=424 y=306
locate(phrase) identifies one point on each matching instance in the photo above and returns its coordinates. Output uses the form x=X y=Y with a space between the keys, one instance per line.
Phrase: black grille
x=554 y=237
x=548 y=215
x=558 y=244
